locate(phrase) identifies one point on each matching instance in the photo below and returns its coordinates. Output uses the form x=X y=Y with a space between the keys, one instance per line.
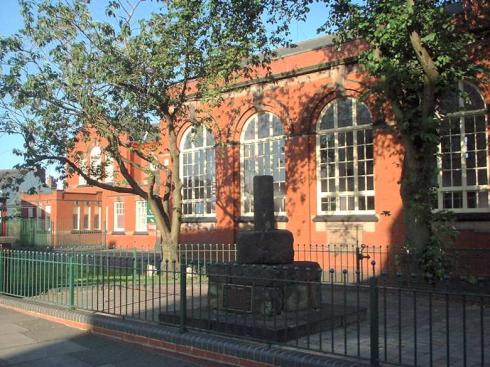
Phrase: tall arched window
x=197 y=168
x=83 y=167
x=95 y=163
x=109 y=169
x=262 y=152
x=463 y=178
x=345 y=164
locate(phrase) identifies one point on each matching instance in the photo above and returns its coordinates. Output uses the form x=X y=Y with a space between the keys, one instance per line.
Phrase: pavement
x=28 y=341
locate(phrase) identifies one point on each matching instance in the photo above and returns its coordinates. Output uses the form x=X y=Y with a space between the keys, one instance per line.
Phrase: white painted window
x=345 y=164
x=76 y=217
x=95 y=163
x=197 y=172
x=109 y=170
x=83 y=167
x=86 y=216
x=47 y=218
x=118 y=216
x=141 y=216
x=98 y=217
x=262 y=153
x=39 y=218
x=463 y=178
x=30 y=212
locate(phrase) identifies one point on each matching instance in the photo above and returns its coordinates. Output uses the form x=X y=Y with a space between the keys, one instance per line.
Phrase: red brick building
x=336 y=170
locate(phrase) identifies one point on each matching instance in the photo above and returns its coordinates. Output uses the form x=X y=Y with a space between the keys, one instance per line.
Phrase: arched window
x=262 y=153
x=95 y=163
x=463 y=178
x=109 y=169
x=83 y=167
x=197 y=168
x=345 y=164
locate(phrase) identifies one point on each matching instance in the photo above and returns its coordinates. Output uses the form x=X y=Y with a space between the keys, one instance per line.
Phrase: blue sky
x=11 y=21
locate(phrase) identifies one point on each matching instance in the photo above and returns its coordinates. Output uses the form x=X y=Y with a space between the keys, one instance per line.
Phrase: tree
x=416 y=52
x=67 y=78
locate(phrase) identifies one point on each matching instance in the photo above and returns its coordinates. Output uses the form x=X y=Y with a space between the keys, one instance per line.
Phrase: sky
x=11 y=21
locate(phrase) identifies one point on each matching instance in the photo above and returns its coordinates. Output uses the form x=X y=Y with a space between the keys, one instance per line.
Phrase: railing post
x=183 y=297
x=71 y=287
x=2 y=279
x=374 y=320
x=135 y=266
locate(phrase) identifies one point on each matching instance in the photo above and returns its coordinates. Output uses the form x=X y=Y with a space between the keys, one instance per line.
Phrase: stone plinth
x=264 y=289
x=268 y=247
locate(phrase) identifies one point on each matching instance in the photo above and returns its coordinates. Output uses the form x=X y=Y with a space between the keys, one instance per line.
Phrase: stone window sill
x=472 y=217
x=346 y=218
x=140 y=233
x=250 y=219
x=199 y=220
x=85 y=231
x=118 y=233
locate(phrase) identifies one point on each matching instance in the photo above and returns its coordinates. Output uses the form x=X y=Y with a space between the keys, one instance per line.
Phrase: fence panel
x=396 y=319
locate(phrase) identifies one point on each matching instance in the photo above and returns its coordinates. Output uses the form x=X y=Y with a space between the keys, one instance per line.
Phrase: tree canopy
x=68 y=78
x=417 y=52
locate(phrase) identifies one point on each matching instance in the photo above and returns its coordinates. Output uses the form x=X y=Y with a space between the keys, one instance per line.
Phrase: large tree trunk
x=417 y=191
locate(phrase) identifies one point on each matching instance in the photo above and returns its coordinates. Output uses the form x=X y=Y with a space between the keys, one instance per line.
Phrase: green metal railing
x=387 y=319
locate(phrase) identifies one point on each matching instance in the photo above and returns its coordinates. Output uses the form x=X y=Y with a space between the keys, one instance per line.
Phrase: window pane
x=249 y=133
x=327 y=119
x=344 y=112
x=483 y=199
x=472 y=98
x=264 y=126
x=277 y=129
x=348 y=160
x=265 y=155
x=198 y=170
x=363 y=115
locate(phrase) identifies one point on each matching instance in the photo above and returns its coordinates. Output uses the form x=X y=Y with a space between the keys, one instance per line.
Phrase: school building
x=336 y=167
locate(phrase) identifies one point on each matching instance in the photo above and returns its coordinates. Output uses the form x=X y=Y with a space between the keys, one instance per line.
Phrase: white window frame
x=83 y=167
x=256 y=141
x=109 y=169
x=39 y=218
x=118 y=206
x=77 y=228
x=141 y=216
x=356 y=193
x=88 y=214
x=98 y=223
x=464 y=188
x=47 y=218
x=209 y=196
x=95 y=162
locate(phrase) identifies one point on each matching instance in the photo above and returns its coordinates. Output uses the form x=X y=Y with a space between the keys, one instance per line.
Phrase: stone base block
x=264 y=289
x=268 y=247
x=287 y=326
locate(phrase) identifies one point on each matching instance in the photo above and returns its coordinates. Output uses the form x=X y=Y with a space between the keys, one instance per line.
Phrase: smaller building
x=15 y=226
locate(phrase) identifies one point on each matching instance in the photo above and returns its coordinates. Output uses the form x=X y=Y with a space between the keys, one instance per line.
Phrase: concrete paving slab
x=54 y=361
x=11 y=328
x=28 y=341
x=14 y=340
x=39 y=350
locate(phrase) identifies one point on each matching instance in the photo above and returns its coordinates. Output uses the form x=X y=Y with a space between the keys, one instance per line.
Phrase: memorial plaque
x=237 y=297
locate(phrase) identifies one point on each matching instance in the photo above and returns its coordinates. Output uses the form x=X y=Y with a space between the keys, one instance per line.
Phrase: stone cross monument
x=265 y=244
x=265 y=279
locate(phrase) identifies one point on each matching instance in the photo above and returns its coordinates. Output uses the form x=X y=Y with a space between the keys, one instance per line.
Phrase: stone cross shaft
x=264 y=219
x=265 y=244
